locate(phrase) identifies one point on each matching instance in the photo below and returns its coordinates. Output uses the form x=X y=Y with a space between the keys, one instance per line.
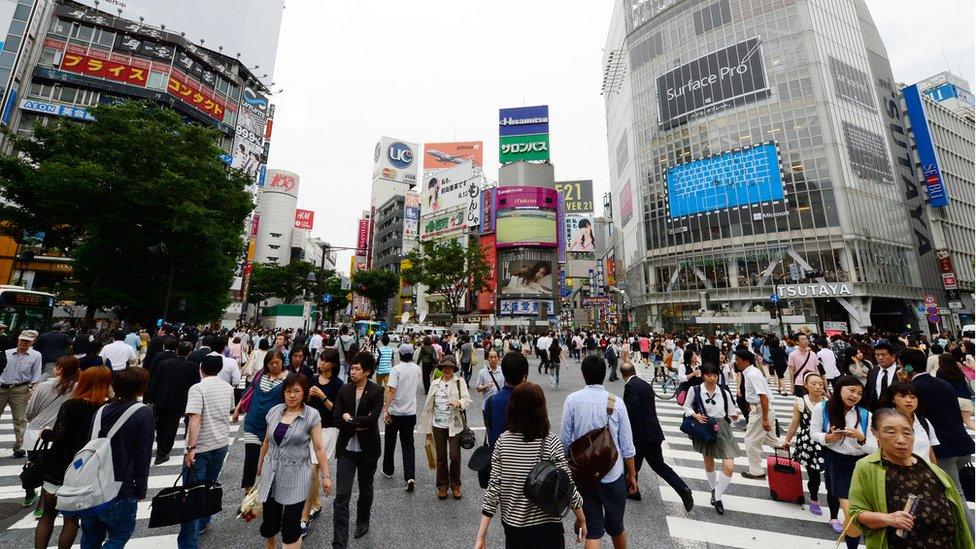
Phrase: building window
x=712 y=17
x=50 y=57
x=82 y=33
x=60 y=28
x=157 y=81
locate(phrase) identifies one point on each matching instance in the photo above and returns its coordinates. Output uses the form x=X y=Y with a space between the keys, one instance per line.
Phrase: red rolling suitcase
x=785 y=478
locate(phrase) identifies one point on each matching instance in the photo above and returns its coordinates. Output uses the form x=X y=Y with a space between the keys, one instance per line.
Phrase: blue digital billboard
x=927 y=156
x=726 y=180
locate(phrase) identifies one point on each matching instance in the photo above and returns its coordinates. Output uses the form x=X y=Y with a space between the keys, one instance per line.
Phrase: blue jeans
x=206 y=466
x=113 y=526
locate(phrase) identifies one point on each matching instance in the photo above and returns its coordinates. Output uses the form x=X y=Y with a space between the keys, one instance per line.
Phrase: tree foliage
x=376 y=285
x=448 y=269
x=289 y=282
x=110 y=191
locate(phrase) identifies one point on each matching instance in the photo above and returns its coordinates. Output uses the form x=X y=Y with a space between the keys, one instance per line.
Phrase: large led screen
x=525 y=228
x=726 y=180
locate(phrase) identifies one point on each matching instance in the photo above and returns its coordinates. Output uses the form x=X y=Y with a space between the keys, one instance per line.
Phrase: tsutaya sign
x=819 y=289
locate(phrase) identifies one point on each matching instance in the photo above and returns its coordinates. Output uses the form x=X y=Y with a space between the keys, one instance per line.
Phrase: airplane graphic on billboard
x=453 y=159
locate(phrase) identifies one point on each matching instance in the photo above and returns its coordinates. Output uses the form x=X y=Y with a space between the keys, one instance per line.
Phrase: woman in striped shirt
x=516 y=453
x=384 y=361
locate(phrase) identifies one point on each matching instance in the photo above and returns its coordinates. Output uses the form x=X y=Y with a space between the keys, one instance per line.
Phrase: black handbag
x=179 y=504
x=702 y=432
x=32 y=475
x=466 y=436
x=480 y=459
x=548 y=486
x=967 y=476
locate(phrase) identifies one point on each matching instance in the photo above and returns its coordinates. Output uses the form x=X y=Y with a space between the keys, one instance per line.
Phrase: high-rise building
x=753 y=162
x=939 y=114
x=60 y=58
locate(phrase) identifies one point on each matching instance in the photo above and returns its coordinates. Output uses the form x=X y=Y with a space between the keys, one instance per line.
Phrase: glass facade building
x=749 y=148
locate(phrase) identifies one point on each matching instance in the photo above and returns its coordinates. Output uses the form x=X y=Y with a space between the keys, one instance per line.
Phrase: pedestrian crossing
x=752 y=518
x=160 y=476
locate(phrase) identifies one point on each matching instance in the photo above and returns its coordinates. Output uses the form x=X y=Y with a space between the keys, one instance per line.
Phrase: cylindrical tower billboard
x=279 y=199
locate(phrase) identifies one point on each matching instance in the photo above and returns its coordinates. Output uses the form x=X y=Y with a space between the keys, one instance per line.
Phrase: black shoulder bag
x=548 y=486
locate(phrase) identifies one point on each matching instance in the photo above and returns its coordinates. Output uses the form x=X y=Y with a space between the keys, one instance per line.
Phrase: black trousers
x=613 y=370
x=403 y=426
x=652 y=453
x=167 y=424
x=282 y=518
x=428 y=370
x=251 y=454
x=350 y=465
x=548 y=535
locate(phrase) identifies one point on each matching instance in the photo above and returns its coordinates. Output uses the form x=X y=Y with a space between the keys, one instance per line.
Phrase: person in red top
x=645 y=348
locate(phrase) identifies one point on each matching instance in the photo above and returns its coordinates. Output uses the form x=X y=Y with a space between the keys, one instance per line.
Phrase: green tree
x=112 y=191
x=448 y=269
x=376 y=285
x=290 y=282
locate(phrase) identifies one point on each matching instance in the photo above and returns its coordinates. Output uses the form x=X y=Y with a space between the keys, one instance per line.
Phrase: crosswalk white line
x=29 y=523
x=741 y=504
x=148 y=542
x=735 y=536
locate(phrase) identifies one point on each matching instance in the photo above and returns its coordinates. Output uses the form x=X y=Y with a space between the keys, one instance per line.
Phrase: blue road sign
x=326 y=298
x=774 y=298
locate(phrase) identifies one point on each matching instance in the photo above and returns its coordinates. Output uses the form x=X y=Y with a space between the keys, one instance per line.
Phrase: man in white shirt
x=760 y=426
x=829 y=362
x=119 y=353
x=207 y=438
x=490 y=379
x=314 y=346
x=400 y=414
x=542 y=349
x=231 y=372
x=22 y=368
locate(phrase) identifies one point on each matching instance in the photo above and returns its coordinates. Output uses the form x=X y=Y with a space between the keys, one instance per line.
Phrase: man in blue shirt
x=515 y=370
x=584 y=411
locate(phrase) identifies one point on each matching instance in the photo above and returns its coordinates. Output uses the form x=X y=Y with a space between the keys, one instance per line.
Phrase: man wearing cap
x=20 y=369
x=400 y=414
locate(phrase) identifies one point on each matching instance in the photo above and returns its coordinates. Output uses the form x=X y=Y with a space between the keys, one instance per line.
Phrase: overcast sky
x=433 y=70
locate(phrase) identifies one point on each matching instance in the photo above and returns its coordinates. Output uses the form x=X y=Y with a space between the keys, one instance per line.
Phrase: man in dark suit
x=169 y=351
x=882 y=376
x=169 y=388
x=710 y=353
x=157 y=344
x=648 y=436
x=357 y=412
x=206 y=347
x=956 y=447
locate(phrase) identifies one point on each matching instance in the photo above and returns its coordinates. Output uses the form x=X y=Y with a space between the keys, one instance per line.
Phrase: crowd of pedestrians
x=871 y=414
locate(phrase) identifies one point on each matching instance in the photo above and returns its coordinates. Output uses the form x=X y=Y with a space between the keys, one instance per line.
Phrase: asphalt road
x=399 y=519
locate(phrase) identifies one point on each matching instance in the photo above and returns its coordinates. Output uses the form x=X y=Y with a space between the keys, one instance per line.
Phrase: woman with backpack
x=904 y=398
x=525 y=445
x=427 y=357
x=842 y=428
x=707 y=402
x=70 y=433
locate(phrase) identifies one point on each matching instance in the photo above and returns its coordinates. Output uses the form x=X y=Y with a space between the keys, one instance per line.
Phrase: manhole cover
x=8 y=510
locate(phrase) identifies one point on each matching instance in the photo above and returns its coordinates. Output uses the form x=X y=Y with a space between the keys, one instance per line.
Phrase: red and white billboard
x=104 y=68
x=362 y=239
x=304 y=219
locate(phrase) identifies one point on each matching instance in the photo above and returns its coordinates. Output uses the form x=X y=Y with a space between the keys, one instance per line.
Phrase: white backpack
x=89 y=483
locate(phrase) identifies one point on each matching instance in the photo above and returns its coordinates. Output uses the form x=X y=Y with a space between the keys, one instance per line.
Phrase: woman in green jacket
x=883 y=482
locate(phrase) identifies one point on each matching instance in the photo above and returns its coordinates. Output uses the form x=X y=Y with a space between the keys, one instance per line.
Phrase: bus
x=22 y=309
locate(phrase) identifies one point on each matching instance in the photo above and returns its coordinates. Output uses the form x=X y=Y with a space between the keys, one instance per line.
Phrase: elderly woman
x=442 y=420
x=883 y=482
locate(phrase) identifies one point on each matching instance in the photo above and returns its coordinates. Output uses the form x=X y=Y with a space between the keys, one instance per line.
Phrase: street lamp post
x=309 y=296
x=779 y=315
